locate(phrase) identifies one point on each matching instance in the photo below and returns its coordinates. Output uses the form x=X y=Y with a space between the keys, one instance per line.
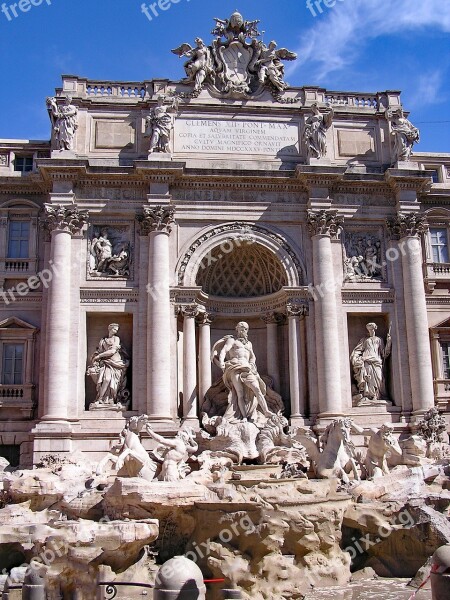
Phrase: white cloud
x=340 y=33
x=428 y=89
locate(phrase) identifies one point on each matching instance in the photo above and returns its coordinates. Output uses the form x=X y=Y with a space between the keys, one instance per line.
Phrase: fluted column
x=204 y=321
x=324 y=226
x=63 y=222
x=409 y=228
x=296 y=312
x=273 y=365
x=190 y=412
x=157 y=223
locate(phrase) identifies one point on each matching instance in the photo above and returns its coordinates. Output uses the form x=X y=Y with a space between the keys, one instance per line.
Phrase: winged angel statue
x=237 y=63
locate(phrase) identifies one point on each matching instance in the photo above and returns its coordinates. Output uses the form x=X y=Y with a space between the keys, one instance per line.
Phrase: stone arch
x=20 y=203
x=229 y=237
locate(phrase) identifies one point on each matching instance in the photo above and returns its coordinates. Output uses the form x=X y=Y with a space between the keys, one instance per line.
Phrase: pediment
x=16 y=323
x=443 y=325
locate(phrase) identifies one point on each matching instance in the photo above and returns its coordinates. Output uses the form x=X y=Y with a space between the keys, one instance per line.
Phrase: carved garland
x=245 y=229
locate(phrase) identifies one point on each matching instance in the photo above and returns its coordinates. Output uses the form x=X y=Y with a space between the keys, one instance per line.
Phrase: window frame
x=25 y=158
x=14 y=374
x=20 y=239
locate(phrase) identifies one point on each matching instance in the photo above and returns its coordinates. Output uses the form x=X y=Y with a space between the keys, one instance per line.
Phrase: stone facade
x=232 y=218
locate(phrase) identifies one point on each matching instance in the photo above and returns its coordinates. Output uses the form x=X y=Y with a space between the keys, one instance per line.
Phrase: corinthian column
x=273 y=366
x=63 y=222
x=324 y=226
x=409 y=228
x=189 y=363
x=204 y=321
x=157 y=223
x=295 y=313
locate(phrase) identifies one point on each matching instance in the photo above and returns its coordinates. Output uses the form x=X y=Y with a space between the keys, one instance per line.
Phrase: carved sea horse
x=338 y=456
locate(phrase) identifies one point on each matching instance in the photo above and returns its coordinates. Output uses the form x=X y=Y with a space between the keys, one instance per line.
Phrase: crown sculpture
x=237 y=64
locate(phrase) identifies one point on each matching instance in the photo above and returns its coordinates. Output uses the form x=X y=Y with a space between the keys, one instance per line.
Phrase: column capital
x=190 y=311
x=272 y=318
x=204 y=318
x=406 y=225
x=65 y=218
x=297 y=309
x=157 y=218
x=325 y=222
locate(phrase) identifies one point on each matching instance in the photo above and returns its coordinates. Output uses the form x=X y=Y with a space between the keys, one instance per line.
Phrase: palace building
x=162 y=213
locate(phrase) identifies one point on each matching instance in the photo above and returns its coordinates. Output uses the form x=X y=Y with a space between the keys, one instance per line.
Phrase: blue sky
x=359 y=45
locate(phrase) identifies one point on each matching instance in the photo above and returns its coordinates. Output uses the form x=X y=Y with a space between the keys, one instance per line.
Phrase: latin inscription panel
x=263 y=138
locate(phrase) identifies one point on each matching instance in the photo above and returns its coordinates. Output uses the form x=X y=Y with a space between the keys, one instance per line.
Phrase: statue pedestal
x=160 y=157
x=63 y=154
x=318 y=162
x=108 y=408
x=406 y=165
x=53 y=437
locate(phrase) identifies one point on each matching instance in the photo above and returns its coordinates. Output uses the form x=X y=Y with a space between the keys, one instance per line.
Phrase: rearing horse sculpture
x=338 y=456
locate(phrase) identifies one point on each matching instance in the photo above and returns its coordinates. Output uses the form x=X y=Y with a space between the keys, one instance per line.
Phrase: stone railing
x=356 y=100
x=18 y=266
x=86 y=88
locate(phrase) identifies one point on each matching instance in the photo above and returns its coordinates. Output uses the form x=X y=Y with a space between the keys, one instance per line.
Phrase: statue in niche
x=108 y=368
x=404 y=133
x=64 y=120
x=362 y=258
x=247 y=391
x=159 y=124
x=368 y=360
x=315 y=133
x=179 y=450
x=109 y=255
x=199 y=65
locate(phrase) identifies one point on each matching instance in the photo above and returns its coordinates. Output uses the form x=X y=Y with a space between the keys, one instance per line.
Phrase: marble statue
x=433 y=429
x=433 y=426
x=130 y=454
x=337 y=457
x=237 y=64
x=275 y=446
x=235 y=356
x=382 y=445
x=269 y=65
x=315 y=133
x=179 y=450
x=64 y=120
x=200 y=63
x=107 y=258
x=108 y=368
x=404 y=133
x=367 y=360
x=159 y=125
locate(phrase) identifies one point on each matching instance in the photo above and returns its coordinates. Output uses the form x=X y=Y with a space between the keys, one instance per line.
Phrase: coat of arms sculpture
x=237 y=64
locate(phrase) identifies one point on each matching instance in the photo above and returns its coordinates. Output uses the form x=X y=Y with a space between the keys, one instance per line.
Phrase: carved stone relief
x=109 y=252
x=363 y=257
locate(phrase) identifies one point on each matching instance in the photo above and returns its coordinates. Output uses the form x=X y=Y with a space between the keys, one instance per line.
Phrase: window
x=18 y=240
x=445 y=359
x=439 y=245
x=435 y=175
x=12 y=368
x=23 y=163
